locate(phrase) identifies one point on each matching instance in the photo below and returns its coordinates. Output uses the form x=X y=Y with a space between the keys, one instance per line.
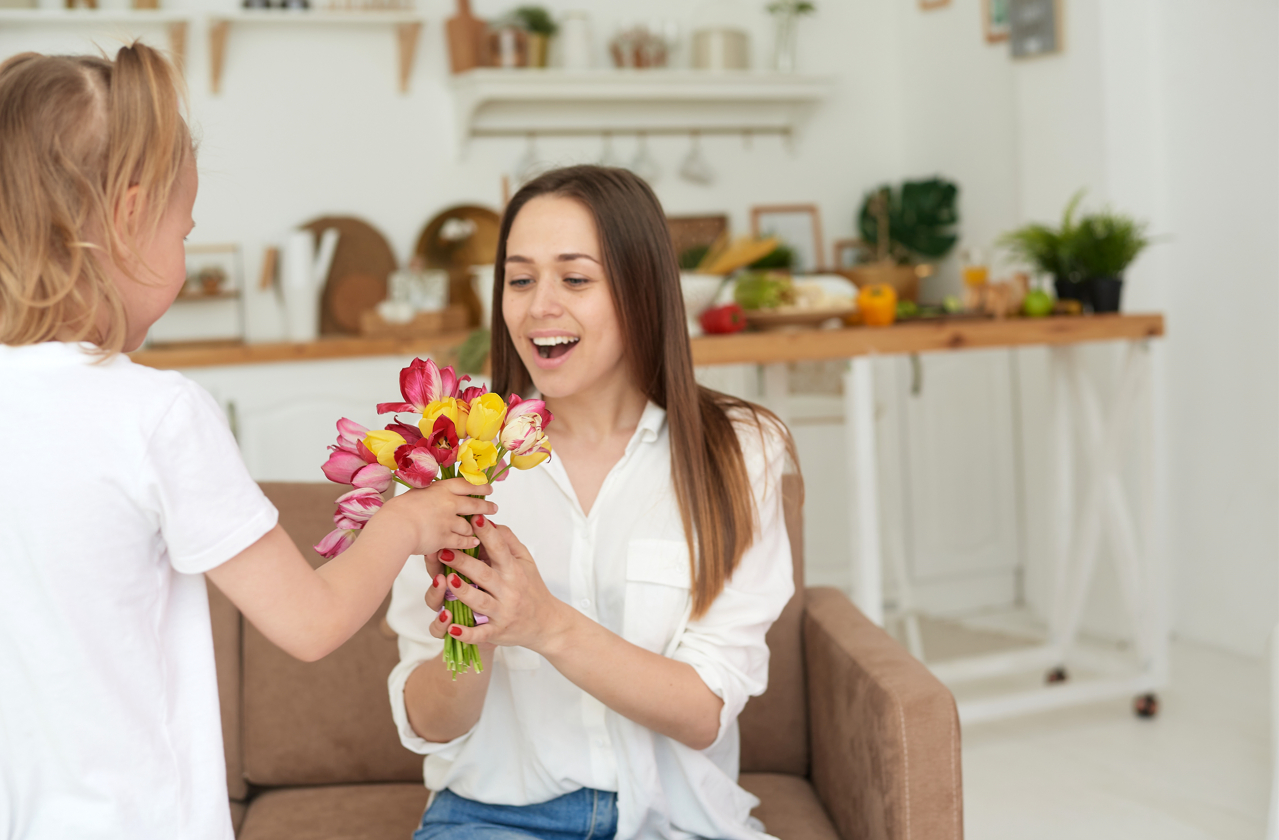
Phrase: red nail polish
x=455 y=630
x=444 y=615
x=435 y=582
x=478 y=520
x=455 y=582
x=446 y=556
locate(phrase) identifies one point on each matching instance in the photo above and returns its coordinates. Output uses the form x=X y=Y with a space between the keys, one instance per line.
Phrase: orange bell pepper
x=878 y=304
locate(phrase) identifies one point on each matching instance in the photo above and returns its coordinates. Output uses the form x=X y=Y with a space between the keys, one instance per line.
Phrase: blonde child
x=122 y=486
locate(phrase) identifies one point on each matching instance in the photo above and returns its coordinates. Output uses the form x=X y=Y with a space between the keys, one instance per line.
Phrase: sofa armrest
x=884 y=731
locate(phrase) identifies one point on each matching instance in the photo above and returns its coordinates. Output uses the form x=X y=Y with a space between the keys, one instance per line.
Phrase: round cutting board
x=357 y=282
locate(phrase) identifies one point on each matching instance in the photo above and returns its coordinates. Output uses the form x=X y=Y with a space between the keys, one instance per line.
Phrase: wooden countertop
x=762 y=347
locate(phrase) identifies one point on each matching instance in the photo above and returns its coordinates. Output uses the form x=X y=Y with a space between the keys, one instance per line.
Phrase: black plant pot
x=1106 y=292
x=1068 y=289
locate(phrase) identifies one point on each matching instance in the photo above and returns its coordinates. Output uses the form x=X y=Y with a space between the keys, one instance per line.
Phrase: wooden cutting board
x=458 y=255
x=357 y=281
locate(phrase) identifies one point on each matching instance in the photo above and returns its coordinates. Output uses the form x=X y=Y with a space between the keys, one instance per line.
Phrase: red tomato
x=729 y=318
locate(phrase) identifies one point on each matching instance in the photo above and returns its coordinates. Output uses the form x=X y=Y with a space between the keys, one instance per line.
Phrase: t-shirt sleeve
x=195 y=482
x=727 y=646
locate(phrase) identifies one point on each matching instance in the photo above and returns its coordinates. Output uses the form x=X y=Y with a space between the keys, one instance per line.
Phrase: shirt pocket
x=658 y=581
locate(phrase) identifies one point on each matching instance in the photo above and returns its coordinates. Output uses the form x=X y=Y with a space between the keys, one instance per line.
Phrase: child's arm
x=310 y=612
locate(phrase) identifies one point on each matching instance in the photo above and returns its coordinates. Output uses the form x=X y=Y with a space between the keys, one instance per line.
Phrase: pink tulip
x=342 y=466
x=336 y=542
x=422 y=383
x=357 y=507
x=516 y=407
x=416 y=466
x=373 y=476
x=472 y=392
x=350 y=433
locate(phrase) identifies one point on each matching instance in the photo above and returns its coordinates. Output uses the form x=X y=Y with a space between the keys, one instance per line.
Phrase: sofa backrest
x=774 y=726
x=287 y=722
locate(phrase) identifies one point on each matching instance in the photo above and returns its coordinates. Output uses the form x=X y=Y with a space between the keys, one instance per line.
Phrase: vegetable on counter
x=721 y=320
x=878 y=305
x=763 y=290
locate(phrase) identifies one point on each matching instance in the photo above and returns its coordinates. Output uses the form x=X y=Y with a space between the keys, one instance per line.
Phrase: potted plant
x=902 y=228
x=1103 y=246
x=1051 y=251
x=540 y=26
x=787 y=13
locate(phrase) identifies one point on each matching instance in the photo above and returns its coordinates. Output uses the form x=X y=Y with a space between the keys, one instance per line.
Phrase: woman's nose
x=546 y=299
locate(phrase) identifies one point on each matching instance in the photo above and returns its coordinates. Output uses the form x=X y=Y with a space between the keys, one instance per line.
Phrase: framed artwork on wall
x=798 y=226
x=1034 y=27
x=928 y=5
x=994 y=14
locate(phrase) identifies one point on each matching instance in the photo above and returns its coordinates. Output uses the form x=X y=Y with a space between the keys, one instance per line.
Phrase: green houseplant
x=541 y=27
x=901 y=229
x=1103 y=246
x=1051 y=251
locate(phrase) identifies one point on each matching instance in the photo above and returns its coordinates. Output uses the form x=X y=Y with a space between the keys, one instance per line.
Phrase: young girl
x=122 y=485
x=637 y=572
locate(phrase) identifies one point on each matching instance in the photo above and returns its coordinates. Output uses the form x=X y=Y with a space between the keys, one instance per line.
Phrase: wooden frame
x=930 y=5
x=1035 y=28
x=837 y=250
x=995 y=19
x=816 y=257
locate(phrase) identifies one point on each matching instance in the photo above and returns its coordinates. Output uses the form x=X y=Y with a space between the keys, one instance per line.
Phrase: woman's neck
x=598 y=413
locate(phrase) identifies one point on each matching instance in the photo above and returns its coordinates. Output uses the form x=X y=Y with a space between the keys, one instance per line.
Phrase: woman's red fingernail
x=455 y=582
x=478 y=520
x=455 y=630
x=435 y=582
x=446 y=556
x=444 y=615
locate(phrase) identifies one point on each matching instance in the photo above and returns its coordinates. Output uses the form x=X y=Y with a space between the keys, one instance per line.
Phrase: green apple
x=1037 y=304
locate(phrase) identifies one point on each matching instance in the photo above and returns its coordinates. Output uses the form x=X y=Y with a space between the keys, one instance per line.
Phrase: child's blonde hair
x=76 y=132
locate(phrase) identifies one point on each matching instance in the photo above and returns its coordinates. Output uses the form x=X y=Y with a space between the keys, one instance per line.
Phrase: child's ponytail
x=76 y=132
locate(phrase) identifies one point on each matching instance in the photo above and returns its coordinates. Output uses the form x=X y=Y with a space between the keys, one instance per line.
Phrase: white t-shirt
x=625 y=565
x=120 y=486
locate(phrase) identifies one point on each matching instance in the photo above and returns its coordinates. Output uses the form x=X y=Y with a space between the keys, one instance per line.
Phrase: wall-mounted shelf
x=495 y=103
x=177 y=22
x=408 y=27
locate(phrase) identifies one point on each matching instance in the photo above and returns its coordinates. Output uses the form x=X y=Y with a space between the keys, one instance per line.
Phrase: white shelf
x=408 y=28
x=82 y=17
x=492 y=102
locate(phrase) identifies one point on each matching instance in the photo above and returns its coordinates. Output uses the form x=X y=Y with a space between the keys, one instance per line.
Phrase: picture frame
x=845 y=253
x=995 y=20
x=210 y=306
x=798 y=226
x=1034 y=28
x=931 y=5
x=213 y=271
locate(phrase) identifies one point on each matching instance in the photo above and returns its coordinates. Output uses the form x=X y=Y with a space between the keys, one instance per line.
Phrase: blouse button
x=585 y=603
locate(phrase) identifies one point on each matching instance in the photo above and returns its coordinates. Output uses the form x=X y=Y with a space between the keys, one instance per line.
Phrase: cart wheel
x=1145 y=705
x=1056 y=675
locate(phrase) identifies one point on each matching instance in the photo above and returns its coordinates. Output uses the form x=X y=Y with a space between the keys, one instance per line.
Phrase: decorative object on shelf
x=786 y=15
x=452 y=318
x=1104 y=245
x=508 y=44
x=540 y=28
x=699 y=291
x=798 y=226
x=906 y=226
x=1051 y=251
x=931 y=5
x=693 y=236
x=638 y=46
x=720 y=49
x=305 y=273
x=256 y=4
x=455 y=240
x=82 y=4
x=146 y=4
x=1001 y=299
x=994 y=16
x=845 y=253
x=1034 y=27
x=482 y=285
x=695 y=168
x=210 y=305
x=412 y=291
x=575 y=44
x=974 y=270
x=213 y=271
x=645 y=165
x=468 y=39
x=357 y=280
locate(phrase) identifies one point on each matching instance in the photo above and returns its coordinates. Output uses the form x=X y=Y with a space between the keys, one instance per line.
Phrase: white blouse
x=626 y=566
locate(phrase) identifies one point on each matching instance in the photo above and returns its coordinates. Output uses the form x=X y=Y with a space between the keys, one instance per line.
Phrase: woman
x=615 y=667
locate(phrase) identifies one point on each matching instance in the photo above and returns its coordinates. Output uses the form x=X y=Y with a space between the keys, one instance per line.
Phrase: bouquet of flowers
x=463 y=431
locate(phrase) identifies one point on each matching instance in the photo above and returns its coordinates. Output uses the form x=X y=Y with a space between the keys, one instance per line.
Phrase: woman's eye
x=519 y=282
x=577 y=281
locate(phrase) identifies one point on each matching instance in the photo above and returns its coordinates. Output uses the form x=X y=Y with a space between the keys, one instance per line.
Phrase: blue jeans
x=584 y=814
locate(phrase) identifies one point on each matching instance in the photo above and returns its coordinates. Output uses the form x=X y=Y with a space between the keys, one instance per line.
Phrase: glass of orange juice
x=975 y=271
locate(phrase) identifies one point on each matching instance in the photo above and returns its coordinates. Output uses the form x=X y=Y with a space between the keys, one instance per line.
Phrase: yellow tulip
x=474 y=457
x=449 y=407
x=534 y=456
x=382 y=444
x=486 y=416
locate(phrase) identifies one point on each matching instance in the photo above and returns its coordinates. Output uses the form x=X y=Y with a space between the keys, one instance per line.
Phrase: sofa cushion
x=788 y=807
x=345 y=812
x=227 y=636
x=774 y=726
x=325 y=722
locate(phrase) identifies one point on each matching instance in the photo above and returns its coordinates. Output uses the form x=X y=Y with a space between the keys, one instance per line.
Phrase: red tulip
x=442 y=442
x=472 y=392
x=417 y=468
x=422 y=383
x=410 y=434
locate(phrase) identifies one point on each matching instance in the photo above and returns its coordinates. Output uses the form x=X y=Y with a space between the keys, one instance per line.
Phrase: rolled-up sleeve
x=409 y=618
x=726 y=646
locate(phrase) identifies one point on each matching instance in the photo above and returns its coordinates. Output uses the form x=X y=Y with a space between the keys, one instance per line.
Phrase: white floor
x=1200 y=770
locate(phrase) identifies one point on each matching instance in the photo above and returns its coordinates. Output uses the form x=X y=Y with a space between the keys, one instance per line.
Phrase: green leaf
x=474 y=352
x=921 y=217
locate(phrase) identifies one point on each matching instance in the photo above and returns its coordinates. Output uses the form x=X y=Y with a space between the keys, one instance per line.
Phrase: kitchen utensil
x=721 y=49
x=478 y=247
x=468 y=39
x=695 y=168
x=363 y=251
x=482 y=286
x=575 y=41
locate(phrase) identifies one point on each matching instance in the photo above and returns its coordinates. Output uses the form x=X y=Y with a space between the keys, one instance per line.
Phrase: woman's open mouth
x=555 y=346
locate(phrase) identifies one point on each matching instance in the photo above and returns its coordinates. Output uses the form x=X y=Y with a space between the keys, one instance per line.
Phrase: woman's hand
x=508 y=590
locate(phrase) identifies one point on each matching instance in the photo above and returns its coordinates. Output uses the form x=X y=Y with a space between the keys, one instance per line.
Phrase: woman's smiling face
x=556 y=300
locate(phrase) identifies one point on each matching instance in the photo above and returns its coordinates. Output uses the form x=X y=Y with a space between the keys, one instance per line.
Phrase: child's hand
x=434 y=514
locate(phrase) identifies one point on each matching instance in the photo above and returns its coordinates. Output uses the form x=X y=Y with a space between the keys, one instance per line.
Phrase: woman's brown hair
x=707 y=464
x=76 y=133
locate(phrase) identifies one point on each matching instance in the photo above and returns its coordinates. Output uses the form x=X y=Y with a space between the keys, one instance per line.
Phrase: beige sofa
x=854 y=739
